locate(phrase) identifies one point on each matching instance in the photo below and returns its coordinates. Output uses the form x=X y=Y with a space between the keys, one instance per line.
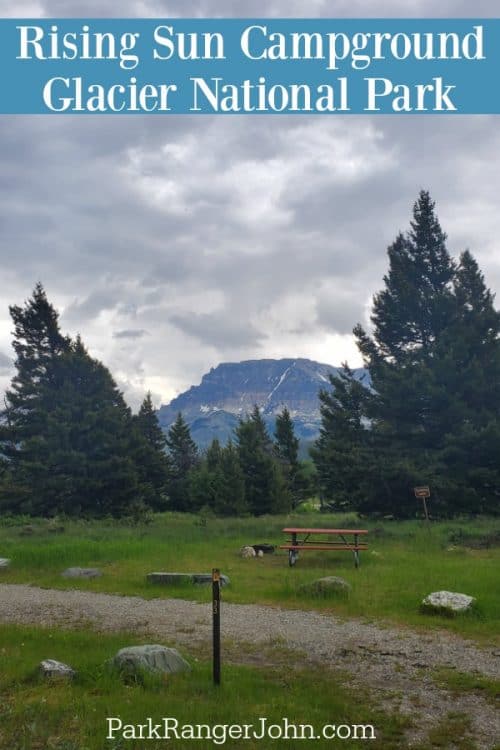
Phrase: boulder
x=247 y=551
x=4 y=563
x=169 y=579
x=150 y=658
x=201 y=578
x=81 y=573
x=56 y=670
x=330 y=585
x=447 y=603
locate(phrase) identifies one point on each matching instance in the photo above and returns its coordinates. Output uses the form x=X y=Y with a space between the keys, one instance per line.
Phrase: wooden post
x=424 y=493
x=216 y=625
x=425 y=509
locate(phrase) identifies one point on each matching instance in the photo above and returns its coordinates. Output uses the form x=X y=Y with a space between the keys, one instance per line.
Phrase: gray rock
x=4 y=563
x=447 y=603
x=81 y=573
x=150 y=658
x=247 y=552
x=169 y=579
x=326 y=586
x=56 y=670
x=202 y=578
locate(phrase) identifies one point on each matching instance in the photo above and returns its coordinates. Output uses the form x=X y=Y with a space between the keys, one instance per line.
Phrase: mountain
x=230 y=391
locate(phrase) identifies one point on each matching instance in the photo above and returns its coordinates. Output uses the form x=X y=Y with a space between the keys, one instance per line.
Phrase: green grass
x=405 y=562
x=464 y=682
x=453 y=731
x=35 y=715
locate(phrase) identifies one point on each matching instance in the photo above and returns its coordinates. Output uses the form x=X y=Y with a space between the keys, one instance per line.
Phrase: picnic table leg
x=293 y=553
x=356 y=552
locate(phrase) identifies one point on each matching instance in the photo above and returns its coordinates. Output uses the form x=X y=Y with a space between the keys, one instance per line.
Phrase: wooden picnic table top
x=326 y=531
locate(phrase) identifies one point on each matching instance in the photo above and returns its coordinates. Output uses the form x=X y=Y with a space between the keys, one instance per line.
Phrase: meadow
x=406 y=560
x=73 y=716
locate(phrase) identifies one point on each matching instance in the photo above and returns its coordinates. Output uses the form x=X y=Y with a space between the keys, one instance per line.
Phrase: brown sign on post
x=422 y=492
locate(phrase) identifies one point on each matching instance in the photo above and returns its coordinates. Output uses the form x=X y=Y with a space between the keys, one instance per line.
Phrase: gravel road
x=396 y=664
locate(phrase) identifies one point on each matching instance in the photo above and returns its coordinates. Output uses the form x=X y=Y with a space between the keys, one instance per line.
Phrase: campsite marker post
x=424 y=493
x=216 y=625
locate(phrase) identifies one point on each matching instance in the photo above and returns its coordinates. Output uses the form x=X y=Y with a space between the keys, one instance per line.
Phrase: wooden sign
x=422 y=492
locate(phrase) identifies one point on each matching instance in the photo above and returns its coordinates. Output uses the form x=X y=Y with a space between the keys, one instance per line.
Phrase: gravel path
x=395 y=664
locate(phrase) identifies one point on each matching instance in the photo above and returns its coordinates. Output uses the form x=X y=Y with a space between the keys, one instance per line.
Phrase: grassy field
x=405 y=561
x=73 y=716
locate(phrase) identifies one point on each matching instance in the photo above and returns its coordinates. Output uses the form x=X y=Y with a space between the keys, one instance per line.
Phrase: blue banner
x=250 y=66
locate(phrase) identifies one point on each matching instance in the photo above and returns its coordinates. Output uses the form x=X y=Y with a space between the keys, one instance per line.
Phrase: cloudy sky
x=174 y=243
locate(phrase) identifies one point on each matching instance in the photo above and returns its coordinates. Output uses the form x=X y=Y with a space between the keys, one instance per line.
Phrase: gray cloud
x=130 y=334
x=231 y=237
x=218 y=330
x=5 y=363
x=261 y=8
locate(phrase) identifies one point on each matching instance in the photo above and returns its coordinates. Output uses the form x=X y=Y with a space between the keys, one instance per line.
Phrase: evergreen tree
x=265 y=486
x=287 y=450
x=468 y=367
x=261 y=430
x=184 y=458
x=218 y=482
x=37 y=343
x=287 y=444
x=231 y=500
x=152 y=459
x=91 y=463
x=433 y=358
x=214 y=455
x=66 y=430
x=340 y=453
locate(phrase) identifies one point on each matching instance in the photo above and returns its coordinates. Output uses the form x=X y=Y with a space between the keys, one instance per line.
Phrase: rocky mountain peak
x=230 y=391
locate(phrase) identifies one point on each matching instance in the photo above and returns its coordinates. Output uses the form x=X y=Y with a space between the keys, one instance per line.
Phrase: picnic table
x=307 y=539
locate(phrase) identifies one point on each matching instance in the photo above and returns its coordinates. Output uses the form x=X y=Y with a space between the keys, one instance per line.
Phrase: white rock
x=4 y=562
x=247 y=552
x=56 y=670
x=260 y=553
x=447 y=602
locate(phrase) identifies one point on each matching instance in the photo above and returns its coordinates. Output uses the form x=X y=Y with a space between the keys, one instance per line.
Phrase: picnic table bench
x=347 y=539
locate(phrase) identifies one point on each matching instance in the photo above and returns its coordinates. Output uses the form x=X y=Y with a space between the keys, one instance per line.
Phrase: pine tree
x=231 y=500
x=433 y=361
x=183 y=455
x=265 y=486
x=287 y=450
x=218 y=482
x=67 y=432
x=340 y=453
x=261 y=430
x=90 y=465
x=37 y=343
x=468 y=367
x=152 y=460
